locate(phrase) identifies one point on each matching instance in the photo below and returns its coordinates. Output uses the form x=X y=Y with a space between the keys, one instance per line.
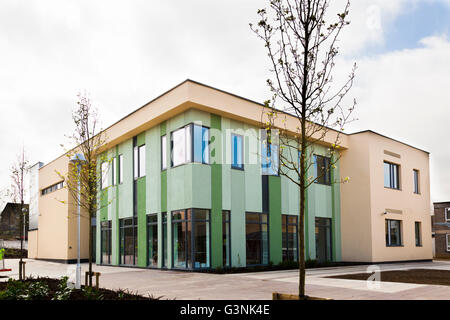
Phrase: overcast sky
x=125 y=53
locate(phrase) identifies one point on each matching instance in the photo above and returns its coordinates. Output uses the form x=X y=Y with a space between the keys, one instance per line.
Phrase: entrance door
x=323 y=240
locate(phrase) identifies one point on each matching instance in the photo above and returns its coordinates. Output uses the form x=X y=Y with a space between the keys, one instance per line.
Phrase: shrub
x=63 y=292
x=91 y=293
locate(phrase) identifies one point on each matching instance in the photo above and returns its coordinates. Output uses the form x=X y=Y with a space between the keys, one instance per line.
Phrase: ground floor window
x=226 y=239
x=290 y=237
x=191 y=238
x=106 y=234
x=393 y=233
x=418 y=232
x=164 y=239
x=257 y=238
x=448 y=242
x=152 y=240
x=128 y=241
x=323 y=239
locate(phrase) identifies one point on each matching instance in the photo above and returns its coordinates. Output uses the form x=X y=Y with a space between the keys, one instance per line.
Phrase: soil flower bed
x=417 y=276
x=58 y=289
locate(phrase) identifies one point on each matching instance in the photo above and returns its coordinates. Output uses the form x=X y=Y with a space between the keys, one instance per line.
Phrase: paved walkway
x=258 y=286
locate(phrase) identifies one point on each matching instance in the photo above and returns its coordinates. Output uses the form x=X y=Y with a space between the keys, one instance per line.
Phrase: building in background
x=192 y=184
x=441 y=229
x=10 y=221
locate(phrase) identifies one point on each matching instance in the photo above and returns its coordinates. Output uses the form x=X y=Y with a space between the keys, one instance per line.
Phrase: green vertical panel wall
x=216 y=191
x=163 y=205
x=275 y=219
x=336 y=211
x=141 y=212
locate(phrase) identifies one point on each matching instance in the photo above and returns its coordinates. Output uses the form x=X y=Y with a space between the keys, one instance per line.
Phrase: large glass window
x=290 y=237
x=416 y=181
x=237 y=154
x=257 y=238
x=418 y=232
x=163 y=153
x=120 y=168
x=152 y=240
x=106 y=234
x=391 y=175
x=393 y=233
x=226 y=238
x=270 y=161
x=128 y=241
x=190 y=143
x=323 y=239
x=104 y=172
x=322 y=169
x=191 y=238
x=139 y=161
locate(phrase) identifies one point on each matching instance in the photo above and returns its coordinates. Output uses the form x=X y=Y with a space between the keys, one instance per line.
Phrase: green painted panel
x=336 y=210
x=216 y=192
x=275 y=233
x=141 y=139
x=142 y=222
x=153 y=170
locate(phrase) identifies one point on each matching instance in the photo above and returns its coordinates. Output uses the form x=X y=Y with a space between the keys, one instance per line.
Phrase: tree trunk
x=90 y=250
x=21 y=276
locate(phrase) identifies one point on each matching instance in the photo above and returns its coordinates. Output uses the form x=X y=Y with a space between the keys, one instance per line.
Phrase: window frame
x=106 y=226
x=285 y=222
x=267 y=169
x=416 y=181
x=134 y=227
x=104 y=178
x=391 y=179
x=418 y=233
x=149 y=224
x=120 y=168
x=260 y=223
x=447 y=237
x=189 y=139
x=163 y=152
x=227 y=222
x=388 y=226
x=233 y=166
x=327 y=176
x=447 y=214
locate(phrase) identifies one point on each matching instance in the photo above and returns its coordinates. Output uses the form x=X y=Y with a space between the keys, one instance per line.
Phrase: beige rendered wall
x=365 y=200
x=51 y=238
x=355 y=202
x=32 y=244
x=401 y=204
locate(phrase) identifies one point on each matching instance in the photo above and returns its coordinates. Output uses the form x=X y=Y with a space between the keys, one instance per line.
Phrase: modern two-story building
x=191 y=184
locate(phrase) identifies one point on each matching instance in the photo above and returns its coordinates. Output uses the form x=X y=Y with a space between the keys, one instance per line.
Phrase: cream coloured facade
x=367 y=203
x=356 y=209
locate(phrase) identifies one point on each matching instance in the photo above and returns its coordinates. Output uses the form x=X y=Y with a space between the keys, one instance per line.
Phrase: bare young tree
x=17 y=194
x=302 y=48
x=88 y=138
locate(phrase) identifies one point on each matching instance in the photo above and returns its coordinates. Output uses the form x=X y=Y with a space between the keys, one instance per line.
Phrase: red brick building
x=441 y=229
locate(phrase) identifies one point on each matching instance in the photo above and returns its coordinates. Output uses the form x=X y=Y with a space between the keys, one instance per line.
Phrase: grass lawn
x=418 y=276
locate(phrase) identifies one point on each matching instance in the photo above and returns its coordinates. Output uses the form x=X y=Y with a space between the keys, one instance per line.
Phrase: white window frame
x=114 y=172
x=447 y=237
x=416 y=182
x=447 y=214
x=120 y=168
x=104 y=169
x=164 y=152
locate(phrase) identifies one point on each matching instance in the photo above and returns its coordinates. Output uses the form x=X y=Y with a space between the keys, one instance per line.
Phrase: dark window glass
x=290 y=238
x=418 y=234
x=106 y=234
x=226 y=238
x=191 y=238
x=322 y=169
x=323 y=239
x=416 y=181
x=393 y=233
x=257 y=239
x=128 y=241
x=164 y=238
x=391 y=175
x=152 y=238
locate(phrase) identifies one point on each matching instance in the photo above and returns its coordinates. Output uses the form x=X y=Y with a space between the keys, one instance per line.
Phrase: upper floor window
x=270 y=159
x=114 y=172
x=391 y=175
x=448 y=242
x=120 y=168
x=104 y=175
x=447 y=214
x=139 y=161
x=163 y=153
x=190 y=143
x=322 y=166
x=416 y=181
x=52 y=188
x=237 y=156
